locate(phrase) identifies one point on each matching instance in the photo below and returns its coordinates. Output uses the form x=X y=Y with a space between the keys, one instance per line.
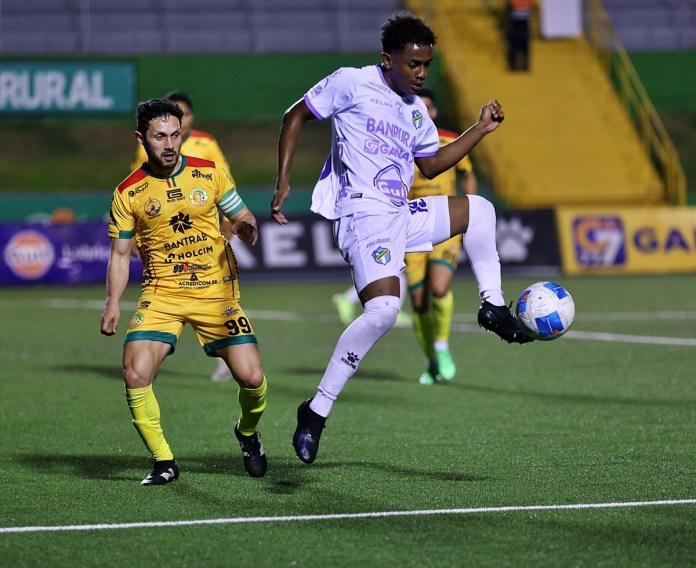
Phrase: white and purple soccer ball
x=545 y=310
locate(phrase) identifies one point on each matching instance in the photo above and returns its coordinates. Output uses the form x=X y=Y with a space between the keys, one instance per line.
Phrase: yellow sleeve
x=121 y=221
x=140 y=158
x=464 y=165
x=218 y=157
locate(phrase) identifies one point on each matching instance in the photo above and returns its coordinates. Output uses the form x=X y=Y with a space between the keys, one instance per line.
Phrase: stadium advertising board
x=78 y=253
x=650 y=240
x=56 y=254
x=48 y=87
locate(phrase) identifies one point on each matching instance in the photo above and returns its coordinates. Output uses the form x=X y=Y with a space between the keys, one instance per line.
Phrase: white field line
x=341 y=516
x=63 y=303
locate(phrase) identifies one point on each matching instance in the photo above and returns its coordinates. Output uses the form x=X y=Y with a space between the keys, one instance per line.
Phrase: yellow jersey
x=175 y=222
x=199 y=144
x=446 y=182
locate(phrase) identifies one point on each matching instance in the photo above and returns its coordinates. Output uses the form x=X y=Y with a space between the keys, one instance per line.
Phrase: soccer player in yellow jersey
x=429 y=274
x=170 y=205
x=201 y=145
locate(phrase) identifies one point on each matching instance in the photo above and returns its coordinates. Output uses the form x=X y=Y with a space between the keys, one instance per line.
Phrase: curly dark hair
x=403 y=28
x=179 y=97
x=155 y=108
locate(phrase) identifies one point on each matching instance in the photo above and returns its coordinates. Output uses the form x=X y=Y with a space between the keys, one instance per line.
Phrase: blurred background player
x=347 y=302
x=517 y=22
x=201 y=145
x=429 y=274
x=171 y=206
x=195 y=142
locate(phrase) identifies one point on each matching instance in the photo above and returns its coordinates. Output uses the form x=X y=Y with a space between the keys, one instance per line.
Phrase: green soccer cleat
x=431 y=375
x=346 y=308
x=445 y=364
x=403 y=319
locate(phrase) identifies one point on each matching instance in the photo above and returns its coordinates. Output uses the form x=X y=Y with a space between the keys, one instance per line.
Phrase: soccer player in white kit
x=379 y=128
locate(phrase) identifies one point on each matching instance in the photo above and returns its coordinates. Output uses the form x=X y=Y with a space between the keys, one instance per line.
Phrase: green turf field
x=578 y=452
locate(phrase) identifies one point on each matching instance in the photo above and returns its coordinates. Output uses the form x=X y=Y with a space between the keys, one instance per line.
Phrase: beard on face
x=158 y=160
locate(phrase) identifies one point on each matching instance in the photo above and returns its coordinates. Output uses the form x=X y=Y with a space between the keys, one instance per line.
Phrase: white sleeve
x=428 y=140
x=332 y=94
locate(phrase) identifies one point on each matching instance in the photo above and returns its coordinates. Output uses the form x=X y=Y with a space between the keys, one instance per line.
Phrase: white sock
x=352 y=347
x=479 y=244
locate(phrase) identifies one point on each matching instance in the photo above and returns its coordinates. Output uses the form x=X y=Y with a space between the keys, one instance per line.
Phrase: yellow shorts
x=217 y=323
x=445 y=254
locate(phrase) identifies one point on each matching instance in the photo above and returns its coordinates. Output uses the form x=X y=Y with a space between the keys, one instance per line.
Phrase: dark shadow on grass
x=116 y=372
x=361 y=374
x=107 y=371
x=285 y=476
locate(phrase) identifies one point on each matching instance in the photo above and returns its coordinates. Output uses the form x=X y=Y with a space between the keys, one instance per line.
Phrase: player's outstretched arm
x=116 y=280
x=448 y=155
x=291 y=126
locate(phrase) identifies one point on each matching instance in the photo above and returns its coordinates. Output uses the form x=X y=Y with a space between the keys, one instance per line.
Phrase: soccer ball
x=545 y=310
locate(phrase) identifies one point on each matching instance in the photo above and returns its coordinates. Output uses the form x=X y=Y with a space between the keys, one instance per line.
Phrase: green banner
x=59 y=87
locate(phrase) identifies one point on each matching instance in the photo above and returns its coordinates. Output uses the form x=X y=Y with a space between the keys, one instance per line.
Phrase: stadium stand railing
x=569 y=138
x=609 y=48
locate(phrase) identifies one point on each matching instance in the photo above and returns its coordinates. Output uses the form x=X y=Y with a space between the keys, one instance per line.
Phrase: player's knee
x=382 y=311
x=135 y=379
x=251 y=379
x=439 y=290
x=480 y=209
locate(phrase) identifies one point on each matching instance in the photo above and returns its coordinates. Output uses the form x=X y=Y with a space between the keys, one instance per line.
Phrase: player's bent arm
x=243 y=224
x=291 y=126
x=116 y=281
x=448 y=155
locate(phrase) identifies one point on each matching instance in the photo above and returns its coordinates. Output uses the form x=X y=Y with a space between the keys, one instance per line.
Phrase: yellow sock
x=146 y=419
x=253 y=403
x=442 y=309
x=423 y=328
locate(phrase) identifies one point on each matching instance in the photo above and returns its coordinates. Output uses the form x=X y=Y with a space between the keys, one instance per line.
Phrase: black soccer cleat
x=252 y=451
x=162 y=473
x=308 y=431
x=500 y=321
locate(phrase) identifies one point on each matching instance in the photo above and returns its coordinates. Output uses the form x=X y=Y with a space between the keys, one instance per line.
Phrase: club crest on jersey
x=198 y=196
x=136 y=320
x=152 y=207
x=417 y=118
x=381 y=255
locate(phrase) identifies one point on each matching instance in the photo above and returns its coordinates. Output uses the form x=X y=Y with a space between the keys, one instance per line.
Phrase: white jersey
x=376 y=134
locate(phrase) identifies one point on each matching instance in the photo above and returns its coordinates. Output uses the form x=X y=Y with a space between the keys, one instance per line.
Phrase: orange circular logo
x=29 y=255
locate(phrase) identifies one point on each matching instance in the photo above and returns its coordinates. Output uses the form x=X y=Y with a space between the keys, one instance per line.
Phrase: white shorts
x=374 y=243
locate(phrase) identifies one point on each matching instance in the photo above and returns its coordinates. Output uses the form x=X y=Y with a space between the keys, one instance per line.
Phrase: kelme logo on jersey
x=198 y=197
x=417 y=118
x=152 y=208
x=381 y=255
x=136 y=320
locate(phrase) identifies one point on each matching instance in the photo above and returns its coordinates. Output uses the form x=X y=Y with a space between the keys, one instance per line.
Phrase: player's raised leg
x=475 y=217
